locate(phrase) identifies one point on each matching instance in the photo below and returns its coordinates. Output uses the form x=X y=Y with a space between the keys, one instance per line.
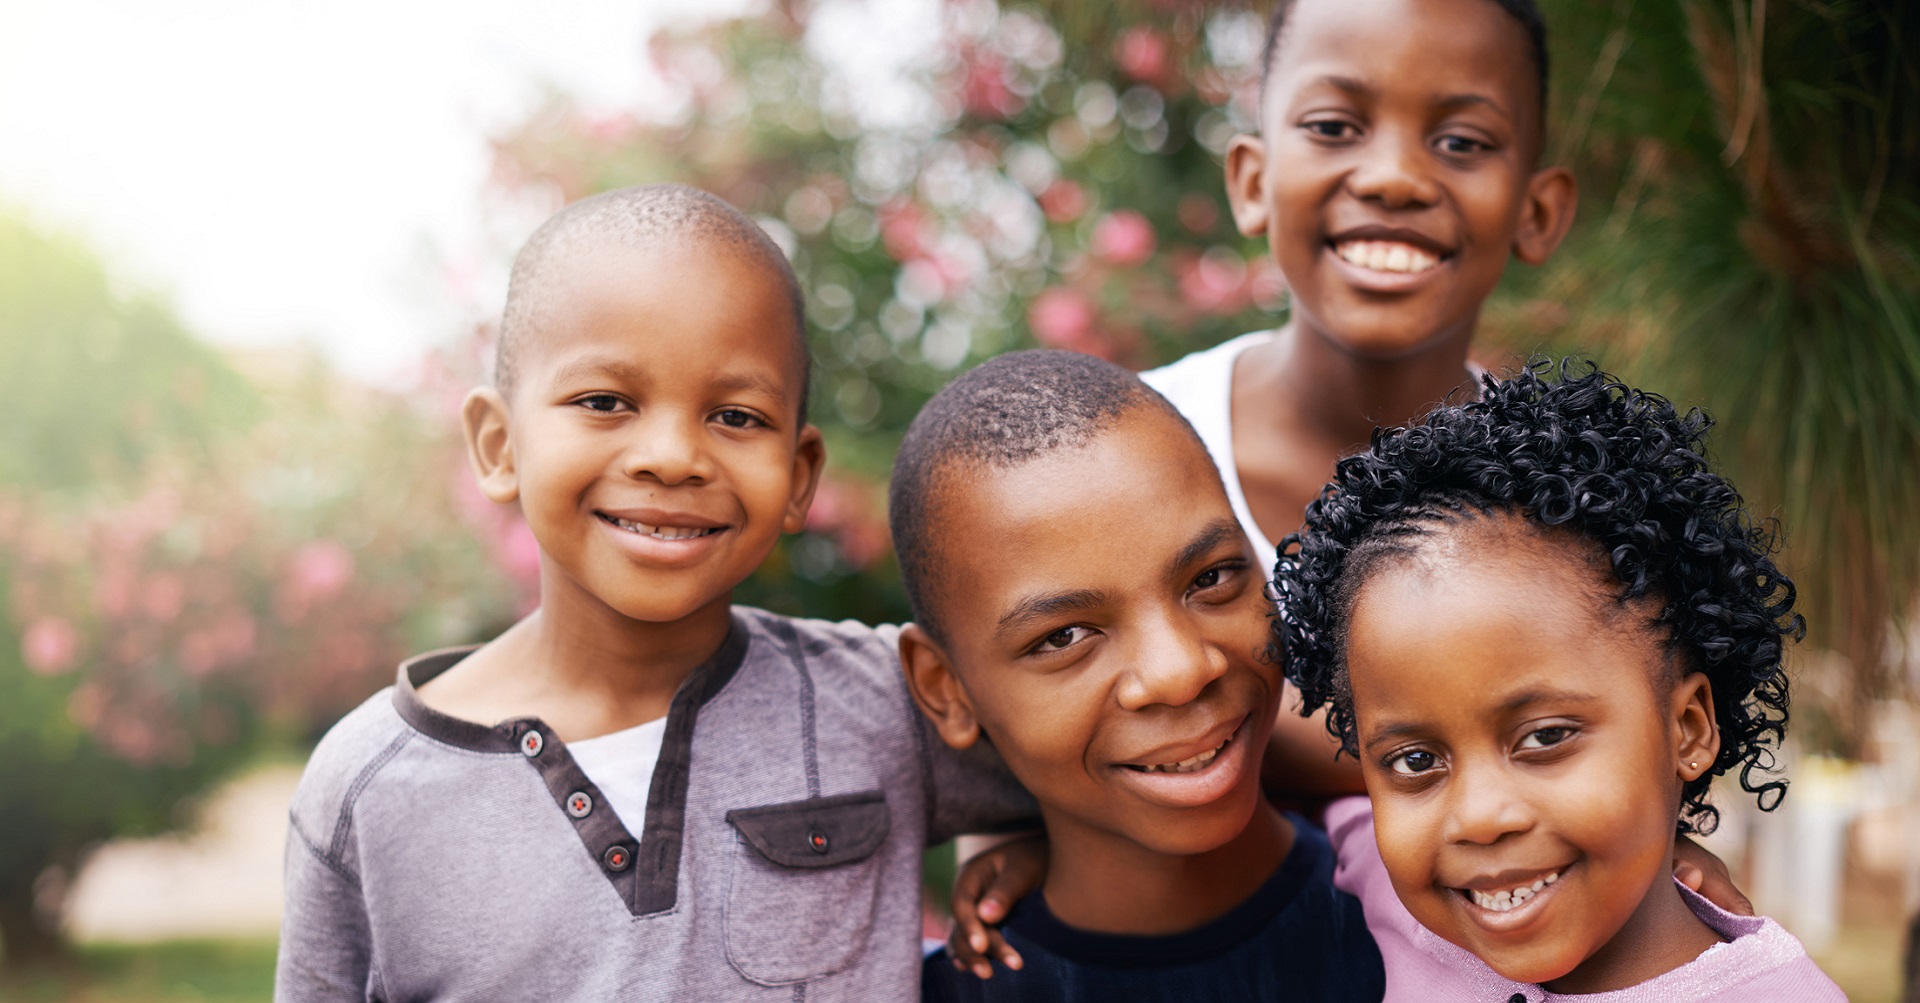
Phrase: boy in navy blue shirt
x=1086 y=600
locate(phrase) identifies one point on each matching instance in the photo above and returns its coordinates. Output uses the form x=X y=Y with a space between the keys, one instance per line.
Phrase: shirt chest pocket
x=803 y=885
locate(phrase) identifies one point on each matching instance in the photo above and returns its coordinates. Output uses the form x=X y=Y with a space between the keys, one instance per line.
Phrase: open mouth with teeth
x=659 y=532
x=1192 y=764
x=1387 y=256
x=1508 y=899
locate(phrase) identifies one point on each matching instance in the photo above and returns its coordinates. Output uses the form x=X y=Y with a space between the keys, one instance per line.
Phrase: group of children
x=1536 y=619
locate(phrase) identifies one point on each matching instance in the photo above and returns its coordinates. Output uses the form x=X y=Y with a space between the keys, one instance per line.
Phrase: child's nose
x=667 y=447
x=1395 y=170
x=1173 y=665
x=1481 y=809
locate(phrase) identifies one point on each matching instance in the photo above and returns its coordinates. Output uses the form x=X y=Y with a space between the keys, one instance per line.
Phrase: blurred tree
x=1750 y=242
x=199 y=564
x=1049 y=174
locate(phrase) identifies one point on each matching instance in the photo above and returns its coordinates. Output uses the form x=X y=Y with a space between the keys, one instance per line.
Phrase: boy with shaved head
x=640 y=791
x=1086 y=599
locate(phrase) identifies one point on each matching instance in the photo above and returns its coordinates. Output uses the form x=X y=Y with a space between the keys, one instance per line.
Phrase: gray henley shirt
x=432 y=858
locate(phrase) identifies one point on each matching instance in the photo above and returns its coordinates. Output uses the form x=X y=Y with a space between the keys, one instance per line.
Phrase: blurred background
x=251 y=257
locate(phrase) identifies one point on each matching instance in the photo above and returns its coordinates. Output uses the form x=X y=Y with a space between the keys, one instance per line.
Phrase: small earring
x=1693 y=766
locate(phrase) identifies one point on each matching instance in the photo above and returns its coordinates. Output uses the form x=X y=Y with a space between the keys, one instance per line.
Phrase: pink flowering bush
x=189 y=577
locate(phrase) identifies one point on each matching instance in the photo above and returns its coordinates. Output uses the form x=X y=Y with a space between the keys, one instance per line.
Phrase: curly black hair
x=1580 y=452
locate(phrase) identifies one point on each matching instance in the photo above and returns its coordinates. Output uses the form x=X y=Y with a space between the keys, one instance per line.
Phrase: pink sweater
x=1760 y=963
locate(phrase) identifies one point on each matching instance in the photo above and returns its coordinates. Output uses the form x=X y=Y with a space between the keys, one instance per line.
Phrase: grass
x=187 y=971
x=1864 y=959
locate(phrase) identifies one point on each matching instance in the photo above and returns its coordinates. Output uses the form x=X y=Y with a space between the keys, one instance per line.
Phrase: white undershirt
x=621 y=763
x=1200 y=386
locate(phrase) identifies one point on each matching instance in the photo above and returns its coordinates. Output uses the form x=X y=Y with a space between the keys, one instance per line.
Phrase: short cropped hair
x=1581 y=457
x=1007 y=411
x=1524 y=11
x=641 y=216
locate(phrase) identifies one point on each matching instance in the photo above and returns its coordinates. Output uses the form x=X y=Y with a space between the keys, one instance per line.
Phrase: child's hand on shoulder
x=988 y=886
x=1707 y=875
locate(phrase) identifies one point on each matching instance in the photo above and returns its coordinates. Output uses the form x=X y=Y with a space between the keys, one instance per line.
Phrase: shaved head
x=647 y=217
x=1010 y=410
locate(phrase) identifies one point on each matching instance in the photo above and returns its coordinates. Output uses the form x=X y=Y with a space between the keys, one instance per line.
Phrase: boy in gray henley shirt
x=648 y=419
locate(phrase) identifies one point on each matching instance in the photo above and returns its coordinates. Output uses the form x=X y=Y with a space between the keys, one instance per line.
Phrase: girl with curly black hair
x=1543 y=626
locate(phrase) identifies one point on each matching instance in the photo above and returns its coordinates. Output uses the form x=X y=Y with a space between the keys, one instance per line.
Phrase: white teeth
x=1191 y=765
x=660 y=532
x=1503 y=901
x=1385 y=256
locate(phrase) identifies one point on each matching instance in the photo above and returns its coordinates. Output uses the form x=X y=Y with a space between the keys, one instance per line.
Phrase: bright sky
x=295 y=170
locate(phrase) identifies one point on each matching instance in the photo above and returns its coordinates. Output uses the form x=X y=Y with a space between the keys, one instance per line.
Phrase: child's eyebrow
x=1455 y=102
x=1527 y=698
x=1039 y=607
x=1451 y=102
x=1519 y=701
x=1216 y=532
x=590 y=366
x=738 y=382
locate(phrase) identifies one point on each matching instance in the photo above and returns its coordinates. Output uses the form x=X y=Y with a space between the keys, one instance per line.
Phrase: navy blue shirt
x=1296 y=938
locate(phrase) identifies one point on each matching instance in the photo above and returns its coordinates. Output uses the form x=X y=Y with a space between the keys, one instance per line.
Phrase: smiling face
x=1107 y=637
x=653 y=438
x=1395 y=171
x=1524 y=743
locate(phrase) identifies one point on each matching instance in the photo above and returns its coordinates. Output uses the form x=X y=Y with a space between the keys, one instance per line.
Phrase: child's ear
x=936 y=689
x=1695 y=728
x=1247 y=184
x=483 y=416
x=1552 y=195
x=809 y=459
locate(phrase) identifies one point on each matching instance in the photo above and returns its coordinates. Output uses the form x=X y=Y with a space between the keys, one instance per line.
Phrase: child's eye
x=1331 y=128
x=603 y=403
x=1413 y=762
x=1541 y=738
x=1461 y=146
x=1064 y=638
x=735 y=418
x=1217 y=575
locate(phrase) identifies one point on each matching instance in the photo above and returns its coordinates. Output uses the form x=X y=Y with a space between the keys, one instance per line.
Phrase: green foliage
x=1750 y=243
x=95 y=381
x=1749 y=236
x=200 y=564
x=174 y=972
x=1046 y=192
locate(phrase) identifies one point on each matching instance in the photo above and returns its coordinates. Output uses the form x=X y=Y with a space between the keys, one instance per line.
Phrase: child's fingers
x=1003 y=952
x=1699 y=869
x=1022 y=867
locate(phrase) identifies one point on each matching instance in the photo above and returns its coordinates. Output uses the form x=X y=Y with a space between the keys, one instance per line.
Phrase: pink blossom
x=829 y=506
x=1064 y=318
x=50 y=645
x=519 y=552
x=1122 y=238
x=1063 y=202
x=902 y=226
x=986 y=92
x=321 y=569
x=1216 y=282
x=318 y=572
x=1141 y=54
x=163 y=597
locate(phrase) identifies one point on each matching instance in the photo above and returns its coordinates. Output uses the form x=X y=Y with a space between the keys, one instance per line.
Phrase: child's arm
x=990 y=882
x=325 y=941
x=1700 y=870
